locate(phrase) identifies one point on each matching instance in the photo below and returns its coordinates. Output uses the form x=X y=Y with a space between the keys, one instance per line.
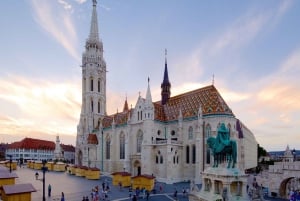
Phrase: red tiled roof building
x=36 y=149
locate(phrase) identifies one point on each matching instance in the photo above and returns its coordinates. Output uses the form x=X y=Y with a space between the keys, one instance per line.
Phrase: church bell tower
x=93 y=105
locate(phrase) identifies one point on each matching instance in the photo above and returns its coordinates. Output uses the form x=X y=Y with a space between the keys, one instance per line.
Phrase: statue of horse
x=227 y=153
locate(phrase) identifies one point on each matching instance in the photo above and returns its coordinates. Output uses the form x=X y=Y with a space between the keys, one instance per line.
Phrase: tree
x=260 y=151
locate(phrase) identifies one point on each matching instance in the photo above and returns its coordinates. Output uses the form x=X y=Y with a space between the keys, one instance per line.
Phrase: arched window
x=161 y=159
x=139 y=141
x=122 y=146
x=99 y=85
x=193 y=154
x=187 y=152
x=92 y=106
x=190 y=133
x=98 y=106
x=108 y=148
x=92 y=84
x=207 y=131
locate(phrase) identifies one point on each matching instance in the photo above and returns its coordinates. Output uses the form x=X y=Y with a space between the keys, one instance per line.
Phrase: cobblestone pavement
x=75 y=188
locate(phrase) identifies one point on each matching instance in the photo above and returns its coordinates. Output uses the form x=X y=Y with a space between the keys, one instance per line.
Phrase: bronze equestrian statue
x=223 y=149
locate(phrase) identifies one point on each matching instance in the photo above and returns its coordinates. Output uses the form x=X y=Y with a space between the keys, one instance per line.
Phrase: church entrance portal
x=137 y=168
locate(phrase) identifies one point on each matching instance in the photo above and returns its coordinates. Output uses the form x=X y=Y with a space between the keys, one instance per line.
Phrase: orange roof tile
x=207 y=97
x=69 y=148
x=92 y=139
x=30 y=143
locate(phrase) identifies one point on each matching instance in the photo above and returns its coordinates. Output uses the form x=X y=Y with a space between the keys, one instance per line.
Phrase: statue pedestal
x=220 y=184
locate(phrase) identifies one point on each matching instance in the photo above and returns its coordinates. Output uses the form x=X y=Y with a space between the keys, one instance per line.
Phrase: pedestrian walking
x=130 y=192
x=147 y=195
x=49 y=190
x=134 y=198
x=62 y=196
x=175 y=194
x=36 y=175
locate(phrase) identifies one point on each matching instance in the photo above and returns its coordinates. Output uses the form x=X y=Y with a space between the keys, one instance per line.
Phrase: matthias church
x=165 y=138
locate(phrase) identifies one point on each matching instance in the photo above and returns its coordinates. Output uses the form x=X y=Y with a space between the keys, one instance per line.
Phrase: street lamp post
x=10 y=161
x=102 y=151
x=44 y=169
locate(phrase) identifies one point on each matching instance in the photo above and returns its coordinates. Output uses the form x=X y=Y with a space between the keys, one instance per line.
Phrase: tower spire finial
x=213 y=79
x=166 y=53
x=94 y=2
x=94 y=34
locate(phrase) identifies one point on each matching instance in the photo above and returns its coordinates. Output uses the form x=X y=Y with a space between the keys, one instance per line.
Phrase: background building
x=166 y=138
x=36 y=149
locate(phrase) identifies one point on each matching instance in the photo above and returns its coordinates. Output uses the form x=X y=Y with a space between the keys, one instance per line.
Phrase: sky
x=251 y=49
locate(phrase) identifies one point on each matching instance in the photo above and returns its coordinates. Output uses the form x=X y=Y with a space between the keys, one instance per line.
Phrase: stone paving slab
x=75 y=187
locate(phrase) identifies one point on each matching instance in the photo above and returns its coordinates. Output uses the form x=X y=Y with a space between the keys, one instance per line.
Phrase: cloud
x=65 y=4
x=80 y=1
x=44 y=106
x=241 y=32
x=105 y=7
x=273 y=108
x=58 y=24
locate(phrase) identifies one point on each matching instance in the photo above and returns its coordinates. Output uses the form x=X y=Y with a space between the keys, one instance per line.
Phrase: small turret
x=125 y=108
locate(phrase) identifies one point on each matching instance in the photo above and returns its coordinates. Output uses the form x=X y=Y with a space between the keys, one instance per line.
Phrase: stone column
x=199 y=161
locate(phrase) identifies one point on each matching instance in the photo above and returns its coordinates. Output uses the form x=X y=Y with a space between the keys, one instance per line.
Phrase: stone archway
x=283 y=187
x=137 y=167
x=79 y=157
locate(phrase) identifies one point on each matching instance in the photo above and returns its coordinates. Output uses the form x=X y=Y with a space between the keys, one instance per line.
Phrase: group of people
x=99 y=194
x=294 y=195
x=144 y=193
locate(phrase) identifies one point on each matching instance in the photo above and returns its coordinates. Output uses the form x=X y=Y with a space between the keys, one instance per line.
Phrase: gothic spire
x=165 y=85
x=148 y=94
x=94 y=34
x=125 y=108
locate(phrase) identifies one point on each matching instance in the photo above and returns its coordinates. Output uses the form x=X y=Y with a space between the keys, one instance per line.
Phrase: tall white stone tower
x=93 y=105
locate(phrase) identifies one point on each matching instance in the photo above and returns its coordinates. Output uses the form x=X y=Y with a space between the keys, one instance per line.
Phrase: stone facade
x=166 y=138
x=282 y=177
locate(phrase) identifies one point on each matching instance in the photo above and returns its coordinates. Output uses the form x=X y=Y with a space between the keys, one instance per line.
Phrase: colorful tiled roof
x=207 y=97
x=92 y=139
x=30 y=143
x=119 y=118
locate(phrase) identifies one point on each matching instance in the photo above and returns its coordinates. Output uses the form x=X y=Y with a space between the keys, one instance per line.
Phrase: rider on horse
x=222 y=139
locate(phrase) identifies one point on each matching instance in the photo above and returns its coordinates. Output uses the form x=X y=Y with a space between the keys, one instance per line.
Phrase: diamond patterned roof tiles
x=207 y=97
